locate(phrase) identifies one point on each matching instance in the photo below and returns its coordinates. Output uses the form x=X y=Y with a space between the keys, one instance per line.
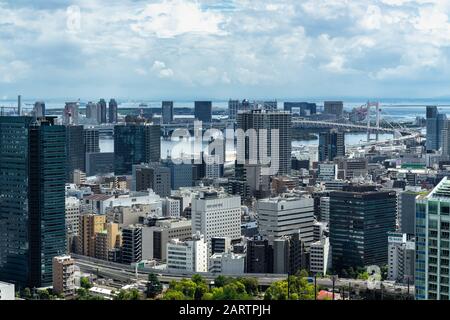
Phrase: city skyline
x=184 y=48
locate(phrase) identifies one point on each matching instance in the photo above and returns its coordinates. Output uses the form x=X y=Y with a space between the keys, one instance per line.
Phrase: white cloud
x=249 y=46
x=13 y=71
x=161 y=70
x=172 y=18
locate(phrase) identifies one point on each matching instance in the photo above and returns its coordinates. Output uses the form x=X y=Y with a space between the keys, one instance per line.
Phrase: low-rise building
x=227 y=263
x=190 y=255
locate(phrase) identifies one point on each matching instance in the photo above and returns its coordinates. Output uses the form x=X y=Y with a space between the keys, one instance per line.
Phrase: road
x=127 y=274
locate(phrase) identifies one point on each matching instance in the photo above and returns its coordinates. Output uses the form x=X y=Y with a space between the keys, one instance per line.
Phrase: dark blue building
x=360 y=218
x=203 y=111
x=32 y=199
x=135 y=143
x=331 y=145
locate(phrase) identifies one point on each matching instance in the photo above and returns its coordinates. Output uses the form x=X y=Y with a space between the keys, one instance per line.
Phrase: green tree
x=43 y=294
x=154 y=287
x=85 y=283
x=26 y=293
x=173 y=295
x=221 y=280
x=197 y=279
x=251 y=285
x=132 y=294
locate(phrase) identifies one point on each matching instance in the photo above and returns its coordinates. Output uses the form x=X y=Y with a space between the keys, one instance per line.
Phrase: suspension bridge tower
x=369 y=106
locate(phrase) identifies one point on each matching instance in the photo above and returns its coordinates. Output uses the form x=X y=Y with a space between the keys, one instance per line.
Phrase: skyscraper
x=233 y=108
x=102 y=111
x=360 y=218
x=268 y=120
x=112 y=116
x=432 y=243
x=135 y=143
x=70 y=113
x=331 y=145
x=203 y=111
x=32 y=201
x=334 y=107
x=75 y=151
x=39 y=109
x=167 y=112
x=436 y=125
x=92 y=113
x=91 y=140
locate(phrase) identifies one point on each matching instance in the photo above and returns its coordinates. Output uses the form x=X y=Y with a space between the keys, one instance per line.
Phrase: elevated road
x=127 y=274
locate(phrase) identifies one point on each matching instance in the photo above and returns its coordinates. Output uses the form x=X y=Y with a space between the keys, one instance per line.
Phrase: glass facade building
x=32 y=199
x=432 y=244
x=135 y=143
x=360 y=220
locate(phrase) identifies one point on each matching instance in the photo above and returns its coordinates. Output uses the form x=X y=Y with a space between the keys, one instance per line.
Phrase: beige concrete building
x=90 y=225
x=64 y=276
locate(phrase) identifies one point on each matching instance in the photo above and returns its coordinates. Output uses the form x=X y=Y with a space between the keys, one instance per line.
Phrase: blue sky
x=208 y=49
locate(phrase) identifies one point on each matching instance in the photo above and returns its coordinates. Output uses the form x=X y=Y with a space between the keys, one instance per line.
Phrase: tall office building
x=135 y=143
x=268 y=120
x=39 y=109
x=151 y=176
x=259 y=257
x=334 y=107
x=360 y=218
x=407 y=212
x=92 y=112
x=401 y=259
x=131 y=244
x=112 y=111
x=432 y=244
x=75 y=150
x=167 y=112
x=32 y=201
x=216 y=215
x=91 y=140
x=70 y=113
x=233 y=107
x=286 y=216
x=102 y=108
x=331 y=145
x=203 y=111
x=89 y=226
x=436 y=125
x=180 y=174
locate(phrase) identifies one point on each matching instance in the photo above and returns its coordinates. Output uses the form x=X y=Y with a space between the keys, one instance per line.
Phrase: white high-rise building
x=216 y=214
x=325 y=209
x=190 y=255
x=401 y=256
x=320 y=256
x=286 y=215
x=72 y=214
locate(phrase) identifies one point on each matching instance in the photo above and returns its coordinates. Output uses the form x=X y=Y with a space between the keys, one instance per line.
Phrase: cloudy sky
x=211 y=49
